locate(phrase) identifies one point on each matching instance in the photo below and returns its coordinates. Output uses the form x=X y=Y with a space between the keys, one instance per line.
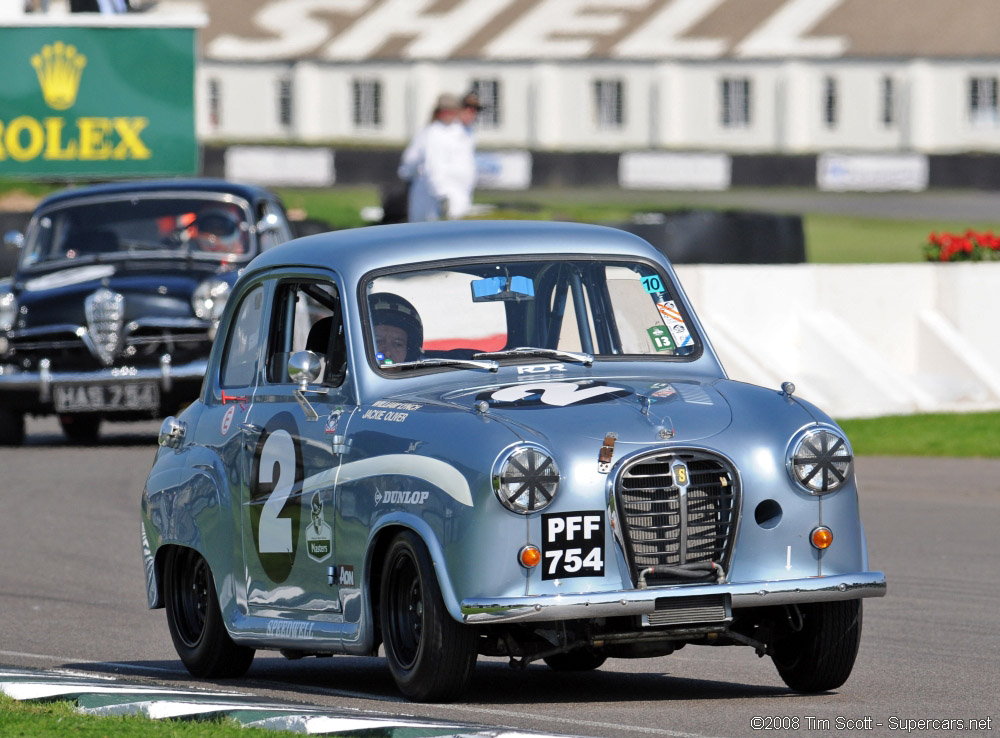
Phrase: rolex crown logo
x=59 y=67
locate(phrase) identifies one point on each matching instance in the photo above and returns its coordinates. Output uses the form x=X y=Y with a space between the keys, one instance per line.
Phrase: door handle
x=251 y=428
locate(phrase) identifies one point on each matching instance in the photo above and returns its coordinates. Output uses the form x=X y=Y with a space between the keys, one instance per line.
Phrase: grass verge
x=60 y=719
x=944 y=434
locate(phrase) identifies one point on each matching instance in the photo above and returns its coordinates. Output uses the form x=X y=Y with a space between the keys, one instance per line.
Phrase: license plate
x=91 y=397
x=573 y=544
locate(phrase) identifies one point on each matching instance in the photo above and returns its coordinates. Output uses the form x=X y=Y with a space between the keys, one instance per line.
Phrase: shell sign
x=102 y=102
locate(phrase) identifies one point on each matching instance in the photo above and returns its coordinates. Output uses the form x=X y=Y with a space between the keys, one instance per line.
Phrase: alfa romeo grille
x=105 y=310
x=677 y=508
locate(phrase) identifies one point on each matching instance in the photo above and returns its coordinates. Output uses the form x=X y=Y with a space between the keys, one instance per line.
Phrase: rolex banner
x=97 y=102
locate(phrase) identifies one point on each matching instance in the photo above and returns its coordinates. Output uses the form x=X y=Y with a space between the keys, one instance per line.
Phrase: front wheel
x=820 y=655
x=430 y=655
x=195 y=619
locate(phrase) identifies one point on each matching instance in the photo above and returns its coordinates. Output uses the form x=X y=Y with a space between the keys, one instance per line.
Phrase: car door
x=295 y=452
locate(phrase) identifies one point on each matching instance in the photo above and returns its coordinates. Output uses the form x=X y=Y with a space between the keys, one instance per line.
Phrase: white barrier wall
x=858 y=340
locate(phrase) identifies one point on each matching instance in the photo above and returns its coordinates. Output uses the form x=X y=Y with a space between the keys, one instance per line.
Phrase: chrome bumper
x=11 y=378
x=643 y=601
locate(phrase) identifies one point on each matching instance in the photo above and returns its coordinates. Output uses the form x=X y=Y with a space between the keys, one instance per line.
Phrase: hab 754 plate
x=93 y=397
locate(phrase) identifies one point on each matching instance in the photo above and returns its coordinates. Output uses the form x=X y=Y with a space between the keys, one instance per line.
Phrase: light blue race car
x=509 y=439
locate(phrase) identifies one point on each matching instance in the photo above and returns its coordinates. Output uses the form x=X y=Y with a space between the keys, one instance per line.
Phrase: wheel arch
x=378 y=544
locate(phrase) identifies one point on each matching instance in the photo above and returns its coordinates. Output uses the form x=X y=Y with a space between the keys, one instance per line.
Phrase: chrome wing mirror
x=14 y=239
x=304 y=368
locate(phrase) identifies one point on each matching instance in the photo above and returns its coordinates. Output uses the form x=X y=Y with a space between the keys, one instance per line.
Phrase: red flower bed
x=969 y=246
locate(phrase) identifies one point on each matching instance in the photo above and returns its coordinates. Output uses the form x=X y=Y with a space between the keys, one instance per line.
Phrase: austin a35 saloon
x=507 y=439
x=117 y=293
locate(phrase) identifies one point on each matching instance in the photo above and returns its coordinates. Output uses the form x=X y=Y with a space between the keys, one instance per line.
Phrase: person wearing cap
x=434 y=165
x=465 y=166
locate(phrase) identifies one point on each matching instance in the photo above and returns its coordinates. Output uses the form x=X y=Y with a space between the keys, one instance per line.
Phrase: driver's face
x=390 y=340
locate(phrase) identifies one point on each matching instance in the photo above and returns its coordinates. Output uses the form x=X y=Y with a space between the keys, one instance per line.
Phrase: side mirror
x=304 y=368
x=14 y=239
x=268 y=223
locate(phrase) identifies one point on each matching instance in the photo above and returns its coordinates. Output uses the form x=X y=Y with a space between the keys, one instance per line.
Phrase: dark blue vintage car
x=118 y=290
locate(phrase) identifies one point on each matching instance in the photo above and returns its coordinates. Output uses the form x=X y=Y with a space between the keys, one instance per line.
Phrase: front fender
x=419 y=526
x=184 y=504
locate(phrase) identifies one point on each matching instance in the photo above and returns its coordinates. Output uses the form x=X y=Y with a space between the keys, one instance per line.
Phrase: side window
x=307 y=317
x=239 y=363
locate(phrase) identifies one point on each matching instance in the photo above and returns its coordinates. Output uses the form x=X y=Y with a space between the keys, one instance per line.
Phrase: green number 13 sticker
x=660 y=337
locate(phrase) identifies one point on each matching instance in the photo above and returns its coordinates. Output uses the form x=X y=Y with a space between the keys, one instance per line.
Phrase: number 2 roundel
x=275 y=488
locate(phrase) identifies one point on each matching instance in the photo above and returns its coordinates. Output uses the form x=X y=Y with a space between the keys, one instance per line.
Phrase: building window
x=609 y=103
x=214 y=103
x=888 y=102
x=367 y=103
x=285 y=101
x=488 y=91
x=830 y=102
x=736 y=103
x=983 y=101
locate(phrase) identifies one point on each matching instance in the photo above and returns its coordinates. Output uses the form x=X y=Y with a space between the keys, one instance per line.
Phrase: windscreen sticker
x=652 y=284
x=660 y=337
x=672 y=319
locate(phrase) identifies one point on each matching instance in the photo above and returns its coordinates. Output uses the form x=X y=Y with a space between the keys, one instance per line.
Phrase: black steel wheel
x=82 y=429
x=430 y=655
x=580 y=659
x=195 y=620
x=819 y=655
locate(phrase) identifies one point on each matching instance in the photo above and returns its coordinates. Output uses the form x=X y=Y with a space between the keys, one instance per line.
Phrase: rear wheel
x=195 y=619
x=430 y=655
x=820 y=655
x=11 y=428
x=580 y=659
x=81 y=429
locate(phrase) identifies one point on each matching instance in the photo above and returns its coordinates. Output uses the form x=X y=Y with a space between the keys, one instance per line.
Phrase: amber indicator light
x=822 y=537
x=529 y=556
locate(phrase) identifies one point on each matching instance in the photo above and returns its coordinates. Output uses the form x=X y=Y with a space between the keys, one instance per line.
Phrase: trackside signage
x=85 y=101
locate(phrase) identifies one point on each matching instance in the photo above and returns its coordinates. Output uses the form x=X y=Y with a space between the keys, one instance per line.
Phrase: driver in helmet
x=399 y=333
x=218 y=228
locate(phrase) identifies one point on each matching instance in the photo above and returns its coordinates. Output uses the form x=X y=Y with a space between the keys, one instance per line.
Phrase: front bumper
x=643 y=601
x=14 y=380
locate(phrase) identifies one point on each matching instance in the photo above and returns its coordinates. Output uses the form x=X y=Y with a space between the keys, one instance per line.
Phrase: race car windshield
x=571 y=311
x=138 y=227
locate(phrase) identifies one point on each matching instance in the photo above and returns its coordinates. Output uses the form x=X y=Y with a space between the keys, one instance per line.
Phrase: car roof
x=357 y=251
x=248 y=192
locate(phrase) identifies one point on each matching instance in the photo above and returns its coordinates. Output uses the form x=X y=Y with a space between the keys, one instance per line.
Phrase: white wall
x=674 y=104
x=858 y=340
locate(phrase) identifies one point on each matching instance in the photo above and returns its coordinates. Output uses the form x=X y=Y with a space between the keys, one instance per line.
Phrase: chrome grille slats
x=667 y=524
x=105 y=311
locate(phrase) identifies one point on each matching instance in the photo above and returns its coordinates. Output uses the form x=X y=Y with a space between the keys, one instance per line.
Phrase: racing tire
x=580 y=659
x=82 y=430
x=11 y=428
x=821 y=655
x=430 y=655
x=195 y=619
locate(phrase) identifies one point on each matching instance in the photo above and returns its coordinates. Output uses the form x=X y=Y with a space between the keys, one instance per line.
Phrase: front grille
x=668 y=521
x=67 y=351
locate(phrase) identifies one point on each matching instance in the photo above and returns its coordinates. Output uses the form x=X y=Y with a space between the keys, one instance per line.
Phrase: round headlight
x=209 y=299
x=525 y=479
x=8 y=310
x=820 y=461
